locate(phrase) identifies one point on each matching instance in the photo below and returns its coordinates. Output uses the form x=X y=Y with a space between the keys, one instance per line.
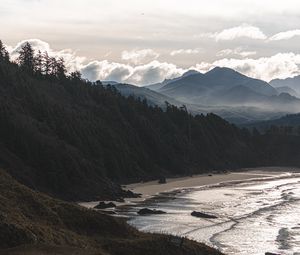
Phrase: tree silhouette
x=39 y=62
x=26 y=58
x=46 y=64
x=3 y=52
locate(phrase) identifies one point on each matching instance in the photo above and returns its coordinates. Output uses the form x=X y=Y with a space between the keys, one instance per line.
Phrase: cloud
x=72 y=61
x=285 y=35
x=186 y=51
x=139 y=56
x=281 y=65
x=244 y=30
x=238 y=51
x=149 y=73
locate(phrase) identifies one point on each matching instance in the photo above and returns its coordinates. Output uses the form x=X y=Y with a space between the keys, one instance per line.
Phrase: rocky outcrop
x=203 y=215
x=147 y=211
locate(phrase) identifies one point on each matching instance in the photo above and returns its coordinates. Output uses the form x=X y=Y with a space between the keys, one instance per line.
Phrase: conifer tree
x=4 y=56
x=26 y=58
x=39 y=62
x=46 y=63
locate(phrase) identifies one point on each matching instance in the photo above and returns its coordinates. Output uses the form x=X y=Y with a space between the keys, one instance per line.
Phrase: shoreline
x=153 y=188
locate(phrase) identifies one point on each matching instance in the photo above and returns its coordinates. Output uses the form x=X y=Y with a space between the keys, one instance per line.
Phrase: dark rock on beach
x=162 y=180
x=203 y=215
x=147 y=211
x=103 y=205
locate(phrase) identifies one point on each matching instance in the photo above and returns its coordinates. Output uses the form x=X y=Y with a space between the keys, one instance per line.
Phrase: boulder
x=203 y=215
x=103 y=205
x=147 y=211
x=162 y=180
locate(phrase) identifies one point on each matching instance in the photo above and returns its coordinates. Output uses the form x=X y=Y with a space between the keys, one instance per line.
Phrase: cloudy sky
x=146 y=41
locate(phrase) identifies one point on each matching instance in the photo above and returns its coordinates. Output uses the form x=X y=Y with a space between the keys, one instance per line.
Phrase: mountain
x=234 y=114
x=292 y=83
x=158 y=86
x=201 y=87
x=288 y=90
x=228 y=88
x=291 y=120
x=153 y=98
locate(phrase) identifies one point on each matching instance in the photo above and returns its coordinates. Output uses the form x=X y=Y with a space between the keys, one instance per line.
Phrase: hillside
x=33 y=224
x=292 y=120
x=74 y=140
x=77 y=140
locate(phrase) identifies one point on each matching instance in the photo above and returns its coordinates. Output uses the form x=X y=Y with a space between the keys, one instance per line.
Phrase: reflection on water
x=254 y=217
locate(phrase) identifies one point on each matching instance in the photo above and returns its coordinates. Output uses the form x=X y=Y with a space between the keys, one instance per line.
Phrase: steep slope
x=33 y=224
x=158 y=86
x=153 y=98
x=74 y=140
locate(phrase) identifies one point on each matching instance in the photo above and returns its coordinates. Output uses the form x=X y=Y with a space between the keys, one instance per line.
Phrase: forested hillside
x=74 y=139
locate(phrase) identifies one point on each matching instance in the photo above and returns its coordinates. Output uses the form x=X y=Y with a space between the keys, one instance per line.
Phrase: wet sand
x=150 y=189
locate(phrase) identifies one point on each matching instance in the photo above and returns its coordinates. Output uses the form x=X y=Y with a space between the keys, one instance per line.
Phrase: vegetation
x=33 y=223
x=77 y=140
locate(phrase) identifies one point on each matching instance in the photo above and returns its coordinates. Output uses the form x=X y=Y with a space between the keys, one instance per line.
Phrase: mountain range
x=223 y=91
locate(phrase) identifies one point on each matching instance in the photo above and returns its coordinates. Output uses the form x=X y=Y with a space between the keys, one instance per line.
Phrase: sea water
x=254 y=216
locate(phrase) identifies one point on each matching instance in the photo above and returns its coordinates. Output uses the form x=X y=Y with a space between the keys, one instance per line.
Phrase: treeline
x=75 y=139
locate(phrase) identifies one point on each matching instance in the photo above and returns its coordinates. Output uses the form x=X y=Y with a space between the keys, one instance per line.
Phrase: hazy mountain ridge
x=292 y=83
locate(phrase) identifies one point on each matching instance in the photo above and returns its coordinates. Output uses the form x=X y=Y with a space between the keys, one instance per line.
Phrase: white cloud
x=244 y=30
x=285 y=35
x=281 y=65
x=149 y=73
x=186 y=51
x=72 y=61
x=139 y=56
x=238 y=51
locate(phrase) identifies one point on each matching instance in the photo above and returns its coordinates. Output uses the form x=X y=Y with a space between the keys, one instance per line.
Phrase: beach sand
x=152 y=188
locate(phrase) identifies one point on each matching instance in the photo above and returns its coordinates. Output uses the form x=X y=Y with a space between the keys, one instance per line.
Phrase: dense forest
x=77 y=140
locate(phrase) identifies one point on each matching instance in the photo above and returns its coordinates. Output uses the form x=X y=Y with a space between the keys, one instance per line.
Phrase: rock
x=162 y=180
x=203 y=215
x=146 y=211
x=103 y=205
x=271 y=253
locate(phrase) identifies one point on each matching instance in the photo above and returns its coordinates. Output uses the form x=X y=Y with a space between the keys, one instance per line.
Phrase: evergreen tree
x=61 y=69
x=39 y=62
x=75 y=76
x=3 y=52
x=46 y=63
x=26 y=58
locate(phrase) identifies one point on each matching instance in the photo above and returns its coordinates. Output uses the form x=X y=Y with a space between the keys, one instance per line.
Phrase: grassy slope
x=33 y=223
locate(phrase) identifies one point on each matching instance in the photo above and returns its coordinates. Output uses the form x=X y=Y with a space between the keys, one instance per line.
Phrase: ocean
x=253 y=216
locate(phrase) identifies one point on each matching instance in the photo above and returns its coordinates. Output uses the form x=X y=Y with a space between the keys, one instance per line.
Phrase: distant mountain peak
x=190 y=72
x=222 y=70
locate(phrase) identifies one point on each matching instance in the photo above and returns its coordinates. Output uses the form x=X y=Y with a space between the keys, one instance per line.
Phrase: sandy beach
x=152 y=188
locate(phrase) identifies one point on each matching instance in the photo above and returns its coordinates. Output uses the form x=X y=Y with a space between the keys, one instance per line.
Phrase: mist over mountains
x=228 y=93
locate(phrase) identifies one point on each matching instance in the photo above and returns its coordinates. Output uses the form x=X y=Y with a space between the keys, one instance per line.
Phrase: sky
x=146 y=41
